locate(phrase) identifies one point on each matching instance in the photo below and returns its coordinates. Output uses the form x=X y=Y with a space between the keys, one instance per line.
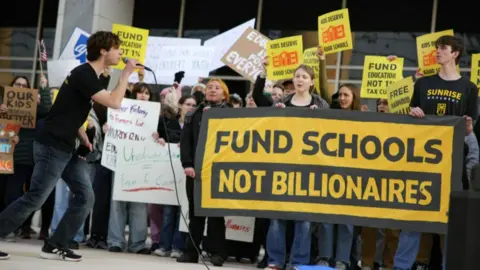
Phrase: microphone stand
x=175 y=178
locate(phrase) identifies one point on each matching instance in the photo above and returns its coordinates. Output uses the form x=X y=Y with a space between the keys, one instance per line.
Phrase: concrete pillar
x=91 y=16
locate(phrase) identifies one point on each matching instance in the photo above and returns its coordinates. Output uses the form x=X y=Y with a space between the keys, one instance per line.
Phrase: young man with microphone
x=54 y=147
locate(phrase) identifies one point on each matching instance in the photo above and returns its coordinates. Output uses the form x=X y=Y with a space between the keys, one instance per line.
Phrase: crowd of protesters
x=286 y=243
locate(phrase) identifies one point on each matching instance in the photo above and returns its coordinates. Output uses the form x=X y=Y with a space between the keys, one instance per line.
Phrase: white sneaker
x=340 y=266
x=323 y=263
x=422 y=267
x=176 y=254
x=9 y=238
x=162 y=252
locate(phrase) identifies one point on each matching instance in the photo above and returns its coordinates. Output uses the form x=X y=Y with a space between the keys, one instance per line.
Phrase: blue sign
x=80 y=48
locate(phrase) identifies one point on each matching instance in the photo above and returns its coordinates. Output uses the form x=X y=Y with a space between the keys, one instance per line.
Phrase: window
x=18 y=28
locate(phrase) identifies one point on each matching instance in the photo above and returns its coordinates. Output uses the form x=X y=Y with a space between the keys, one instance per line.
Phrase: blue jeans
x=276 y=247
x=326 y=240
x=50 y=165
x=137 y=222
x=171 y=238
x=407 y=250
x=62 y=196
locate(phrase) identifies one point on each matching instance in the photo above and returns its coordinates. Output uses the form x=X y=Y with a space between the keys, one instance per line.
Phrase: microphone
x=125 y=60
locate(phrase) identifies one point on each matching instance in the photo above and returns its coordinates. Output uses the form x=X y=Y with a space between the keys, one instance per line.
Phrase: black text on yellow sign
x=322 y=184
x=329 y=166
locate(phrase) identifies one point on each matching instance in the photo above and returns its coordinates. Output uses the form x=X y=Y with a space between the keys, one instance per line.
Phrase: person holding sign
x=55 y=145
x=349 y=100
x=216 y=96
x=23 y=154
x=445 y=93
x=276 y=242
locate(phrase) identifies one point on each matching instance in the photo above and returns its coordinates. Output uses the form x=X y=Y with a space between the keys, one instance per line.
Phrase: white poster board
x=76 y=47
x=135 y=121
x=154 y=47
x=194 y=60
x=58 y=70
x=224 y=41
x=237 y=228
x=144 y=173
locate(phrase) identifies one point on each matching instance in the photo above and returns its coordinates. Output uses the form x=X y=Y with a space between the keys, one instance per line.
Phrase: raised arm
x=260 y=99
x=114 y=98
x=322 y=62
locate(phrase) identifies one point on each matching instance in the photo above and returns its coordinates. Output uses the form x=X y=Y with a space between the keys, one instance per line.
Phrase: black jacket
x=191 y=131
x=174 y=130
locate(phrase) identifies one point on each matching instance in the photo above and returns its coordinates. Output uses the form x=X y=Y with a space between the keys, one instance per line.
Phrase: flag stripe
x=43 y=52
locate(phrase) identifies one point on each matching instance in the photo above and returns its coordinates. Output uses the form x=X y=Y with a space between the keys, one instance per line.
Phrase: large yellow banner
x=366 y=169
x=284 y=56
x=399 y=96
x=334 y=32
x=475 y=72
x=427 y=51
x=134 y=42
x=378 y=73
x=310 y=59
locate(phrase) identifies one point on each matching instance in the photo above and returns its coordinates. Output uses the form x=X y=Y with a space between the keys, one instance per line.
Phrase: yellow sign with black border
x=361 y=168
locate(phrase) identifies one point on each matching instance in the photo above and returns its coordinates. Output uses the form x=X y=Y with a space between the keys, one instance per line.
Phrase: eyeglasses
x=20 y=85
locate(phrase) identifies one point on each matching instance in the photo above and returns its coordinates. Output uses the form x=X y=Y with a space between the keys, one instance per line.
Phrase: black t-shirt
x=71 y=108
x=289 y=103
x=436 y=96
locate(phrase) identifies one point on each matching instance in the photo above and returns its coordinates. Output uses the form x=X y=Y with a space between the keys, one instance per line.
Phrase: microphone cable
x=199 y=253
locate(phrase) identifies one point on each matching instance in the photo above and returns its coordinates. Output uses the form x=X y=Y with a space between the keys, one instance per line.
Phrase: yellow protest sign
x=134 y=42
x=399 y=95
x=310 y=59
x=54 y=97
x=427 y=51
x=378 y=73
x=334 y=32
x=475 y=72
x=284 y=56
x=366 y=169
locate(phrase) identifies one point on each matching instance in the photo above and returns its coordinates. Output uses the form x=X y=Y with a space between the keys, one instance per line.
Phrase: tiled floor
x=25 y=256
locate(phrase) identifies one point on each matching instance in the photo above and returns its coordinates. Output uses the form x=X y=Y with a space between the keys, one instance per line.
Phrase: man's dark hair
x=101 y=40
x=454 y=42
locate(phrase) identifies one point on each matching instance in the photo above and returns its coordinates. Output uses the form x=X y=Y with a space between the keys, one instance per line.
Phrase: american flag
x=43 y=52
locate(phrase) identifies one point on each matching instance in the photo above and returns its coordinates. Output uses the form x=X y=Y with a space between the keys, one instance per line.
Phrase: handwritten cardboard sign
x=153 y=56
x=8 y=130
x=22 y=106
x=144 y=173
x=136 y=120
x=246 y=54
